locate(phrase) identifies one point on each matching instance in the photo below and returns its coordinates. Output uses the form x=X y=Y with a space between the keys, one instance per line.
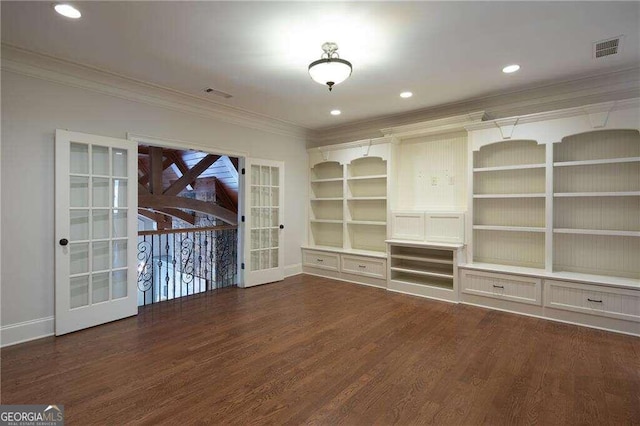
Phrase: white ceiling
x=259 y=51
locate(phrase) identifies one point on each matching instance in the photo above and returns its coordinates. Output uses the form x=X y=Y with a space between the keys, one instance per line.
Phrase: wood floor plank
x=311 y=350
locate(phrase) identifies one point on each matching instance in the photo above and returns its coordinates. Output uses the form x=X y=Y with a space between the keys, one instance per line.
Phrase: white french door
x=95 y=229
x=264 y=199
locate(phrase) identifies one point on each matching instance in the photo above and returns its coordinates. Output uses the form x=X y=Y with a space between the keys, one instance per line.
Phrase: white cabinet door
x=264 y=199
x=96 y=230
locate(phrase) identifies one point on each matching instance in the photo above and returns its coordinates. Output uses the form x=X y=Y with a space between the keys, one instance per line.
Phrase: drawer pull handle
x=594 y=300
x=498 y=286
x=319 y=260
x=361 y=266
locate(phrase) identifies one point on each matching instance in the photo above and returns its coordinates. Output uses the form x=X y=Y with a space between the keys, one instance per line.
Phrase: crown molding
x=354 y=144
x=594 y=111
x=613 y=86
x=435 y=127
x=44 y=67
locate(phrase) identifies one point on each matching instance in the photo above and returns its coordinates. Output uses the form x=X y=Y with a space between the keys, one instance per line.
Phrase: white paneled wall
x=612 y=213
x=509 y=248
x=528 y=212
x=513 y=153
x=598 y=145
x=597 y=178
x=522 y=181
x=597 y=254
x=431 y=173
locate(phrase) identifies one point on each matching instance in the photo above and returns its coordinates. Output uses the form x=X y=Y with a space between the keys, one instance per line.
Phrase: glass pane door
x=95 y=228
x=263 y=199
x=265 y=217
x=98 y=211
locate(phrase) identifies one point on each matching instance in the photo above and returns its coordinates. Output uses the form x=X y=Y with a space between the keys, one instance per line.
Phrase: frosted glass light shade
x=330 y=71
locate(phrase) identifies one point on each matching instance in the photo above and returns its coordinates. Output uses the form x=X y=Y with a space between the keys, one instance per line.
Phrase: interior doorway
x=188 y=240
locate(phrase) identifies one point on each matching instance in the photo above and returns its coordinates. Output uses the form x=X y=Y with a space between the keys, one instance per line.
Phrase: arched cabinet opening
x=596 y=215
x=509 y=204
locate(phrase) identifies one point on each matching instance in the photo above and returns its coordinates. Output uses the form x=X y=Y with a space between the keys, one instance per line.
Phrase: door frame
x=190 y=145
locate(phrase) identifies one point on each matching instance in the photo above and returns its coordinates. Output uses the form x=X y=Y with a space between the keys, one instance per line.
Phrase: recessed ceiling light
x=336 y=112
x=510 y=68
x=406 y=94
x=67 y=10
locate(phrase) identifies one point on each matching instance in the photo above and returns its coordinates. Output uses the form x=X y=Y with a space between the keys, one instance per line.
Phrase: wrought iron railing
x=180 y=262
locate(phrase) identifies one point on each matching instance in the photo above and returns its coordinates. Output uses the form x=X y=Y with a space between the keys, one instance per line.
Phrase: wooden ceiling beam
x=223 y=196
x=165 y=165
x=159 y=202
x=162 y=221
x=193 y=173
x=155 y=164
x=179 y=214
x=181 y=168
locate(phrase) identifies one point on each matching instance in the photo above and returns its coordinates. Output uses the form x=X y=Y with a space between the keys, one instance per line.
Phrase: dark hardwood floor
x=316 y=351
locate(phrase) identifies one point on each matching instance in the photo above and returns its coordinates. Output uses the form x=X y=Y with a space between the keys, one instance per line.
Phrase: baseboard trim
x=291 y=270
x=21 y=332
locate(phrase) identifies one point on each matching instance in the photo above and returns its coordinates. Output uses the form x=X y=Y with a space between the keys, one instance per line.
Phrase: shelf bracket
x=598 y=116
x=507 y=126
x=365 y=149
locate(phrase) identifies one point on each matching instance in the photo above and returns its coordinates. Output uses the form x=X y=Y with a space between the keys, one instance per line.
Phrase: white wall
x=31 y=111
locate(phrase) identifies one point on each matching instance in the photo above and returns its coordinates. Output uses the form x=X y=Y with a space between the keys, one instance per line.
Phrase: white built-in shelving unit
x=555 y=218
x=550 y=204
x=509 y=203
x=348 y=210
x=596 y=186
x=424 y=269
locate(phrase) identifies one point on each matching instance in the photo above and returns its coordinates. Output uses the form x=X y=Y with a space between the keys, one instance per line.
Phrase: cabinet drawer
x=604 y=301
x=502 y=286
x=321 y=259
x=367 y=266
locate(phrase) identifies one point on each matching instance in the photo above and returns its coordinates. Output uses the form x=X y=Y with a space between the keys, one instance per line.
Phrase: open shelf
x=512 y=153
x=444 y=261
x=327 y=180
x=534 y=195
x=509 y=228
x=608 y=232
x=327 y=171
x=368 y=177
x=520 y=212
x=365 y=198
x=510 y=181
x=596 y=162
x=596 y=254
x=367 y=222
x=424 y=266
x=422 y=273
x=510 y=167
x=598 y=194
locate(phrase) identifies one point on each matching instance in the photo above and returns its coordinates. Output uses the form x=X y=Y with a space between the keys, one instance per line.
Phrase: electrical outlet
x=434 y=180
x=452 y=180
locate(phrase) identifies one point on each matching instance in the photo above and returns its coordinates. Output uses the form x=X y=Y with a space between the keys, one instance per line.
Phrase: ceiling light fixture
x=336 y=112
x=510 y=68
x=330 y=69
x=67 y=10
x=406 y=95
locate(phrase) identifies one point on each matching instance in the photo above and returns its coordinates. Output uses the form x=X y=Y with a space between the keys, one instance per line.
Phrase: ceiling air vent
x=211 y=91
x=607 y=47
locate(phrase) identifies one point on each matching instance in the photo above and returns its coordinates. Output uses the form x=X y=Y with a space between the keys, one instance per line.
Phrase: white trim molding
x=26 y=331
x=44 y=67
x=435 y=127
x=181 y=144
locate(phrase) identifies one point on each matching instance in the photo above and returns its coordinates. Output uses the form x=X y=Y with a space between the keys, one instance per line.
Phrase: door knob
x=281 y=226
x=64 y=242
